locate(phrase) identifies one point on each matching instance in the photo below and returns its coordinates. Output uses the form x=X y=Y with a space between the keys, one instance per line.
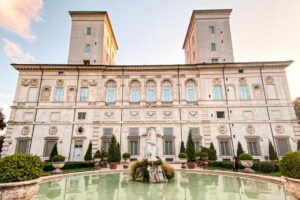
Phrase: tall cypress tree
x=2 y=123
x=190 y=149
x=119 y=151
x=88 y=155
x=239 y=149
x=182 y=148
x=298 y=145
x=212 y=152
x=54 y=151
x=113 y=151
x=272 y=152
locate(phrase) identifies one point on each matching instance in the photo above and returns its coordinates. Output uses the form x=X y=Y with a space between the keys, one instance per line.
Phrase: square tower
x=208 y=38
x=92 y=39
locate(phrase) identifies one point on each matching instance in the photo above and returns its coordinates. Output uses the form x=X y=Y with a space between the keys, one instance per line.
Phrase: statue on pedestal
x=151 y=145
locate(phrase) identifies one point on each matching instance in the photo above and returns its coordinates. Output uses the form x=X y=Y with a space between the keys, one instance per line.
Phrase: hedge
x=290 y=164
x=69 y=165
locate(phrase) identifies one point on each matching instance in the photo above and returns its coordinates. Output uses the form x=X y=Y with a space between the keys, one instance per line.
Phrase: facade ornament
x=25 y=130
x=250 y=129
x=93 y=83
x=80 y=130
x=34 y=82
x=167 y=113
x=84 y=82
x=151 y=113
x=53 y=130
x=242 y=80
x=109 y=113
x=279 y=129
x=222 y=129
x=59 y=82
x=217 y=81
x=134 y=113
x=25 y=82
x=269 y=79
x=193 y=113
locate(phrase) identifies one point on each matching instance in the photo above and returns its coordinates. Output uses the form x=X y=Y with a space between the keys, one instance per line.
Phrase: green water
x=184 y=186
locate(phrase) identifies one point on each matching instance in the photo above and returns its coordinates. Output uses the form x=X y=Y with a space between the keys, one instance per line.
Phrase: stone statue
x=151 y=145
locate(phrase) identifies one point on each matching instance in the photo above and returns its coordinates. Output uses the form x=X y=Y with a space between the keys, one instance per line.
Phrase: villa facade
x=91 y=98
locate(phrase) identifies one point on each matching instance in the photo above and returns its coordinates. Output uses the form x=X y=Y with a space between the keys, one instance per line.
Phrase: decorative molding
x=93 y=83
x=250 y=129
x=34 y=82
x=242 y=80
x=80 y=130
x=59 y=82
x=269 y=79
x=53 y=130
x=25 y=130
x=134 y=113
x=279 y=129
x=217 y=81
x=193 y=113
x=151 y=113
x=84 y=82
x=27 y=82
x=222 y=129
x=109 y=113
x=167 y=113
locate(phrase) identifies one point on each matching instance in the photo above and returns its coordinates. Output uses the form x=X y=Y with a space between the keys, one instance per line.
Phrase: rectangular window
x=87 y=48
x=225 y=147
x=107 y=131
x=22 y=146
x=135 y=95
x=253 y=147
x=150 y=95
x=84 y=93
x=283 y=146
x=244 y=93
x=213 y=47
x=168 y=147
x=49 y=144
x=197 y=144
x=133 y=131
x=149 y=128
x=111 y=95
x=59 y=94
x=190 y=94
x=86 y=62
x=81 y=115
x=217 y=92
x=166 y=94
x=220 y=114
x=88 y=31
x=168 y=131
x=105 y=145
x=212 y=30
x=134 y=147
x=214 y=60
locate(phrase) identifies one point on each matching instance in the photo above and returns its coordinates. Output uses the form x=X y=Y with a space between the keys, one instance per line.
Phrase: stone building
x=91 y=98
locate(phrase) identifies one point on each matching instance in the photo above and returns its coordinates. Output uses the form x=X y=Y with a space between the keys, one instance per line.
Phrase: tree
x=297 y=107
x=2 y=123
x=212 y=152
x=239 y=149
x=119 y=151
x=113 y=151
x=190 y=149
x=272 y=152
x=1 y=143
x=298 y=145
x=54 y=151
x=182 y=148
x=88 y=155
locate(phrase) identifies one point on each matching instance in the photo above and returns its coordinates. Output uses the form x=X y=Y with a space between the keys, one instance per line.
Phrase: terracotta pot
x=57 y=166
x=292 y=186
x=113 y=165
x=191 y=165
x=19 y=190
x=247 y=164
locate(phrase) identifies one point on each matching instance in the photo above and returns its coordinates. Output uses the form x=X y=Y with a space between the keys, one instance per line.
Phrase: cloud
x=16 y=54
x=17 y=15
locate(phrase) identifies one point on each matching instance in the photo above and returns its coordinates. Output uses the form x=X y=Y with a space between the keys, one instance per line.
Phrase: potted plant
x=19 y=177
x=104 y=155
x=183 y=159
x=204 y=156
x=125 y=157
x=58 y=162
x=191 y=152
x=97 y=157
x=247 y=162
x=113 y=153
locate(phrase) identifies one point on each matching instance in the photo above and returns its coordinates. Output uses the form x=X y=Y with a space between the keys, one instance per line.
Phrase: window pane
x=190 y=94
x=106 y=145
x=134 y=131
x=81 y=115
x=22 y=146
x=88 y=31
x=213 y=47
x=168 y=150
x=83 y=94
x=150 y=95
x=217 y=92
x=107 y=131
x=244 y=92
x=87 y=48
x=283 y=146
x=225 y=147
x=133 y=147
x=58 y=94
x=166 y=94
x=195 y=131
x=168 y=131
x=135 y=95
x=110 y=95
x=211 y=29
x=214 y=60
x=49 y=144
x=253 y=148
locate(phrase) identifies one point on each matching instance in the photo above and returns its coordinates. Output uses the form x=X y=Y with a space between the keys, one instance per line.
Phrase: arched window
x=166 y=91
x=150 y=85
x=111 y=91
x=45 y=96
x=135 y=91
x=190 y=90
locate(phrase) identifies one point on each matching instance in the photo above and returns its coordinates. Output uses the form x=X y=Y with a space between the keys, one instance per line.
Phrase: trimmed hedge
x=290 y=164
x=69 y=165
x=20 y=167
x=266 y=167
x=245 y=156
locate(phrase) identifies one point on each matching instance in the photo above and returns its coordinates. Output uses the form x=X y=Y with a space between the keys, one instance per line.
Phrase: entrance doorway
x=77 y=155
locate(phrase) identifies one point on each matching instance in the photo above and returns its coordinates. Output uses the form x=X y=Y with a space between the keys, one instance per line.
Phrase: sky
x=147 y=32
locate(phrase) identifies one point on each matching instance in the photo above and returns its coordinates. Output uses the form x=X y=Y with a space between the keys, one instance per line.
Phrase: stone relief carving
x=25 y=130
x=134 y=113
x=109 y=113
x=151 y=113
x=84 y=82
x=279 y=129
x=53 y=130
x=222 y=129
x=32 y=82
x=250 y=129
x=59 y=82
x=193 y=113
x=93 y=83
x=25 y=82
x=242 y=80
x=269 y=79
x=217 y=81
x=167 y=113
x=80 y=130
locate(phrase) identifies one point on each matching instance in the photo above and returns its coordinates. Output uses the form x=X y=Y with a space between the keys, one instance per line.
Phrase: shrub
x=20 y=167
x=169 y=171
x=290 y=164
x=223 y=164
x=239 y=150
x=119 y=152
x=198 y=154
x=58 y=158
x=272 y=152
x=69 y=165
x=88 y=154
x=126 y=155
x=190 y=149
x=266 y=167
x=298 y=145
x=203 y=155
x=245 y=156
x=104 y=154
x=97 y=155
x=54 y=152
x=1 y=143
x=113 y=151
x=182 y=148
x=212 y=152
x=182 y=155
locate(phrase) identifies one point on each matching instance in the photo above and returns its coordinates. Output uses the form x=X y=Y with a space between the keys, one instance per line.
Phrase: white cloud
x=17 y=15
x=15 y=53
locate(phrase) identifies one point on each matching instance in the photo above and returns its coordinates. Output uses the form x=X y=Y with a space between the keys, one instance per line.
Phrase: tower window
x=220 y=114
x=86 y=62
x=214 y=60
x=212 y=30
x=88 y=31
x=87 y=48
x=213 y=47
x=241 y=71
